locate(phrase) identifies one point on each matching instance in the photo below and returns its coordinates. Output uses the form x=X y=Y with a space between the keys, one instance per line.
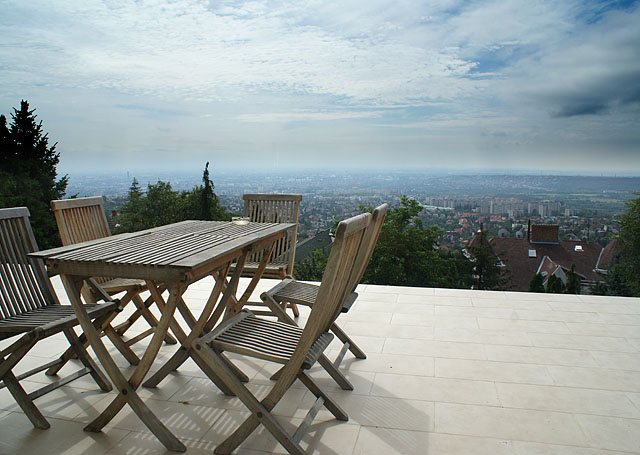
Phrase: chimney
x=529 y=231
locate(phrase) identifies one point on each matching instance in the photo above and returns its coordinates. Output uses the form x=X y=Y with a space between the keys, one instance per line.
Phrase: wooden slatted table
x=171 y=257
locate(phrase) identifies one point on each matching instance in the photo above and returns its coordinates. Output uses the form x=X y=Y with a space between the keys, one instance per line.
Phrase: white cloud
x=412 y=76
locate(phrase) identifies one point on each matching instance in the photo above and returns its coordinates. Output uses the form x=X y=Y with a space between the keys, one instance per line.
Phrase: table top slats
x=175 y=248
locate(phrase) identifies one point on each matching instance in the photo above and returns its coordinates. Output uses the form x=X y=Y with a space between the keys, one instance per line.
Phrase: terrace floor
x=448 y=372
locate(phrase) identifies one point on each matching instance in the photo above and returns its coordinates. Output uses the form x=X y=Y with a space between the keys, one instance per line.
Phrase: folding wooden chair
x=82 y=220
x=292 y=291
x=29 y=306
x=273 y=208
x=280 y=342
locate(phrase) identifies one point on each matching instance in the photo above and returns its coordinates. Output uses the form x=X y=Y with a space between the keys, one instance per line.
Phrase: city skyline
x=124 y=86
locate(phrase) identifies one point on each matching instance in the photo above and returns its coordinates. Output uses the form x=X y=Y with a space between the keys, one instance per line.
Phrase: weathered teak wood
x=169 y=257
x=81 y=220
x=229 y=304
x=273 y=208
x=292 y=291
x=30 y=307
x=284 y=343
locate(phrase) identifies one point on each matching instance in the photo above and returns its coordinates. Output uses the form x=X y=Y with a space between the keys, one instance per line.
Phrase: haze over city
x=508 y=84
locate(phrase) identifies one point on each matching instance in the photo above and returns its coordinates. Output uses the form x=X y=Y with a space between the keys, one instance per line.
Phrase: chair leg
x=294 y=309
x=177 y=359
x=335 y=373
x=260 y=414
x=121 y=346
x=329 y=402
x=95 y=372
x=23 y=400
x=146 y=313
x=353 y=347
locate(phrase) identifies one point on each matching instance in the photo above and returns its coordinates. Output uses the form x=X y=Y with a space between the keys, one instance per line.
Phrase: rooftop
x=448 y=372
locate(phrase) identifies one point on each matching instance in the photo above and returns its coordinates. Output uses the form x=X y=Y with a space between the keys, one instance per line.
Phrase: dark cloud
x=601 y=95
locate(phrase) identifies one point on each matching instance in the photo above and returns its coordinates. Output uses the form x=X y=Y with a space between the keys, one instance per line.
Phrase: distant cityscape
x=584 y=207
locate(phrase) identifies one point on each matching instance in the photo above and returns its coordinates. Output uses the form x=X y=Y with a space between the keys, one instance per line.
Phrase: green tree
x=162 y=205
x=204 y=202
x=486 y=269
x=28 y=172
x=406 y=253
x=554 y=285
x=626 y=270
x=573 y=281
x=537 y=283
x=312 y=268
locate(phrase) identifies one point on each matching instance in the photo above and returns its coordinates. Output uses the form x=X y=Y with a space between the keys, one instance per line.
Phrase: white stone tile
x=483 y=370
x=414 y=308
x=611 y=433
x=406 y=290
x=635 y=343
x=147 y=443
x=363 y=316
x=369 y=344
x=384 y=441
x=432 y=389
x=420 y=299
x=388 y=330
x=370 y=296
x=362 y=381
x=431 y=348
x=474 y=311
x=596 y=378
x=368 y=306
x=542 y=356
x=456 y=322
x=607 y=299
x=382 y=412
x=455 y=300
x=64 y=437
x=591 y=342
x=514 y=303
x=427 y=320
x=629 y=319
x=519 y=325
x=635 y=398
x=383 y=289
x=496 y=422
x=454 y=292
x=182 y=419
x=610 y=330
x=611 y=308
x=483 y=336
x=323 y=437
x=390 y=363
x=567 y=399
x=617 y=360
x=560 y=316
x=536 y=448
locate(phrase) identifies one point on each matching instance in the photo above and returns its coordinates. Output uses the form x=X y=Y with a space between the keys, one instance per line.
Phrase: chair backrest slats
x=80 y=219
x=336 y=280
x=368 y=244
x=276 y=208
x=24 y=284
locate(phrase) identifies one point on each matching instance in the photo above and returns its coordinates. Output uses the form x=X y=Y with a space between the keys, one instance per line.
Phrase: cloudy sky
x=442 y=84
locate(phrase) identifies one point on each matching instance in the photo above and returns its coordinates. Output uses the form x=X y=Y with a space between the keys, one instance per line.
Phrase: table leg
x=126 y=388
x=185 y=342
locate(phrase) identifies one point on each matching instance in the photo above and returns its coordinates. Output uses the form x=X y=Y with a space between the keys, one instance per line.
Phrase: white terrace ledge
x=448 y=372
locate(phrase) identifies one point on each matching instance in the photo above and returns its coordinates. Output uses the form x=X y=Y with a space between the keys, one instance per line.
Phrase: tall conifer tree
x=28 y=171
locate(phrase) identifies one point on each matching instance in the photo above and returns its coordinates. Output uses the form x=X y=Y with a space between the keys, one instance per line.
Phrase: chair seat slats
x=58 y=315
x=305 y=294
x=29 y=306
x=265 y=338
